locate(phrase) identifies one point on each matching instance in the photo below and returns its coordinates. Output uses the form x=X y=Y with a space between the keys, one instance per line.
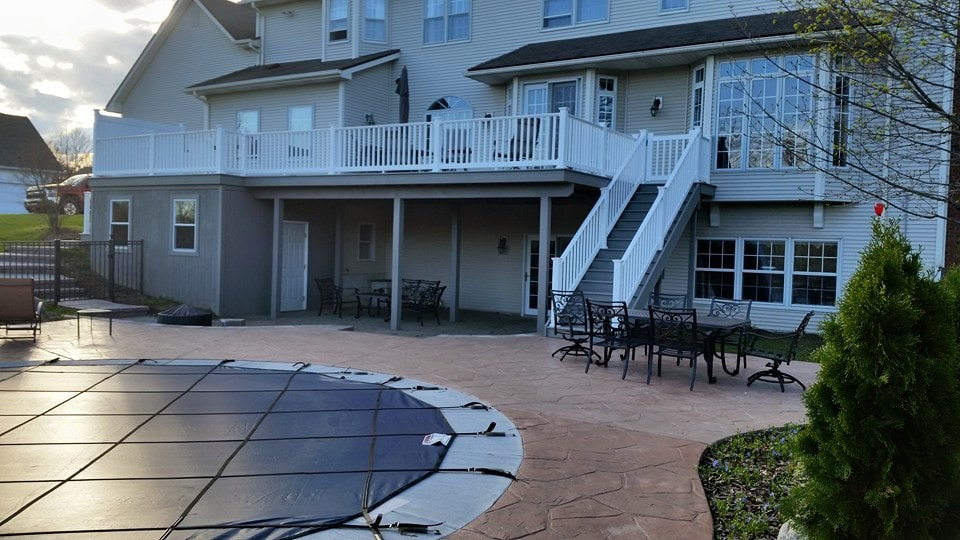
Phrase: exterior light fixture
x=502 y=245
x=657 y=105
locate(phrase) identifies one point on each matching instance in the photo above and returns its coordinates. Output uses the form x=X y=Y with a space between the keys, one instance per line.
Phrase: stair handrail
x=651 y=236
x=570 y=267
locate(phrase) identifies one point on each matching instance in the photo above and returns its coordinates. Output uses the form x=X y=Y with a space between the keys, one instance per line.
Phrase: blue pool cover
x=181 y=451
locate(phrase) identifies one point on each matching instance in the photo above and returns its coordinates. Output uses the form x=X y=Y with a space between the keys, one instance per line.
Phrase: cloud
x=61 y=59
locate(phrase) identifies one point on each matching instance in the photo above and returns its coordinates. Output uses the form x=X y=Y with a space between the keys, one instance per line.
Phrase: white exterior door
x=532 y=268
x=293 y=266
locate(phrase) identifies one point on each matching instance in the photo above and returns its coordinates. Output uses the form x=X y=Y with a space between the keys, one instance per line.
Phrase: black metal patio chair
x=770 y=345
x=609 y=327
x=332 y=295
x=569 y=312
x=674 y=332
x=731 y=309
x=673 y=301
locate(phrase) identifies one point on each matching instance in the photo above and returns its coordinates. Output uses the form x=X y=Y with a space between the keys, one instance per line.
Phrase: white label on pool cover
x=436 y=438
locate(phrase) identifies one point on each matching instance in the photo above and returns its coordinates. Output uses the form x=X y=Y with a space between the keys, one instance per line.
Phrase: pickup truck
x=67 y=196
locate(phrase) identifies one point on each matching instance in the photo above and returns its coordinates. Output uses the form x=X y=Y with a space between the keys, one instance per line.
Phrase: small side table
x=91 y=313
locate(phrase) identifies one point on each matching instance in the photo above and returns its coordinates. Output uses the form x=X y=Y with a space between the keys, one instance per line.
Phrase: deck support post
x=543 y=265
x=338 y=247
x=396 y=288
x=453 y=287
x=692 y=256
x=275 y=268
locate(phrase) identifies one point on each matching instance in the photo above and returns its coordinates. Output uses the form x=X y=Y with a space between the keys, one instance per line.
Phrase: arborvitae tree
x=880 y=456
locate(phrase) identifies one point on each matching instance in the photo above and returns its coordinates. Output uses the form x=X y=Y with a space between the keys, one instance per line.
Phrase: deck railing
x=556 y=140
x=569 y=268
x=690 y=167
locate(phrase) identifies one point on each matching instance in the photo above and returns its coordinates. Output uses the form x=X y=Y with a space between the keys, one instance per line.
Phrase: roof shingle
x=22 y=147
x=648 y=39
x=240 y=21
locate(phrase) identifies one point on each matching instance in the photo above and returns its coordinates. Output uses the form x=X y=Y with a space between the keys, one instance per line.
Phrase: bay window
x=764 y=112
x=446 y=20
x=375 y=21
x=560 y=13
x=339 y=16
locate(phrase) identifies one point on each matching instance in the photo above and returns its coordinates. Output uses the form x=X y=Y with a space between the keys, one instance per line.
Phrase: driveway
x=603 y=457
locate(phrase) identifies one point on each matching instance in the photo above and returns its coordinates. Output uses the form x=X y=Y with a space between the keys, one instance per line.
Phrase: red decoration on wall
x=879 y=208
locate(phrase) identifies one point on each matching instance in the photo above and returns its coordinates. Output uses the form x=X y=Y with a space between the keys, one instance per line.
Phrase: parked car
x=67 y=196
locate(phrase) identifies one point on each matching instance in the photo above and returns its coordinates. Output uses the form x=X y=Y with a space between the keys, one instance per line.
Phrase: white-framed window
x=300 y=118
x=185 y=225
x=366 y=242
x=716 y=268
x=248 y=121
x=120 y=220
x=696 y=105
x=781 y=271
x=339 y=19
x=673 y=5
x=841 y=114
x=764 y=269
x=560 y=13
x=606 y=100
x=756 y=99
x=375 y=21
x=445 y=21
x=549 y=97
x=449 y=108
x=815 y=267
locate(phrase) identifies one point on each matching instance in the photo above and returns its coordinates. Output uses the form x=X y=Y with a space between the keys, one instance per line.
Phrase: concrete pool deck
x=603 y=457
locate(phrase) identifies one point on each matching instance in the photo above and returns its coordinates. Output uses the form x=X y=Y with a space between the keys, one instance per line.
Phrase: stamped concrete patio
x=603 y=457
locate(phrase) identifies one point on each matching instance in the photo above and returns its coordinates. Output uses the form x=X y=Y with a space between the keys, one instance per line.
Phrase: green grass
x=36 y=227
x=745 y=478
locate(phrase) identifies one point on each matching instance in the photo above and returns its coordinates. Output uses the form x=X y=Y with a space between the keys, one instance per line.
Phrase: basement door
x=532 y=267
x=293 y=266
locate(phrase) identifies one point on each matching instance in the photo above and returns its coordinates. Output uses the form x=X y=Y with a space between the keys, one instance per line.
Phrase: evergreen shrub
x=880 y=456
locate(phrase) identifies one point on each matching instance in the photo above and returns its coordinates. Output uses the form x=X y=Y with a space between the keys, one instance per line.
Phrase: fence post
x=604 y=152
x=111 y=270
x=562 y=137
x=332 y=149
x=435 y=142
x=617 y=287
x=219 y=151
x=56 y=271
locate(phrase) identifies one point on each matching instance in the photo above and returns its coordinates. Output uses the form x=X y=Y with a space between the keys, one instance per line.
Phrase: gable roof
x=22 y=147
x=238 y=22
x=287 y=73
x=648 y=39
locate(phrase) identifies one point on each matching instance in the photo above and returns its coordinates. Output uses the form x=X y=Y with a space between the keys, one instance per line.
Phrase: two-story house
x=502 y=148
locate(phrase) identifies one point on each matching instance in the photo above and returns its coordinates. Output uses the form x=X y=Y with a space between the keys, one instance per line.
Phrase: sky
x=61 y=59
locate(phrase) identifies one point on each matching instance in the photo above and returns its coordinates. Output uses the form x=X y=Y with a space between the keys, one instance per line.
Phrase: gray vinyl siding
x=671 y=84
x=247 y=251
x=151 y=220
x=371 y=92
x=850 y=225
x=189 y=55
x=762 y=185
x=293 y=31
x=273 y=105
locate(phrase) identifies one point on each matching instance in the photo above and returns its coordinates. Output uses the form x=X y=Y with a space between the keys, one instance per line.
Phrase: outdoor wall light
x=657 y=105
x=502 y=245
x=368 y=118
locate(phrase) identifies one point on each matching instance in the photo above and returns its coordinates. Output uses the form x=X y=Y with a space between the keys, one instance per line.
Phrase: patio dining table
x=713 y=329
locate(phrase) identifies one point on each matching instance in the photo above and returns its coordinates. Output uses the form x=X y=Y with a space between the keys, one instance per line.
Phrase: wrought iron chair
x=609 y=327
x=569 y=311
x=425 y=298
x=731 y=309
x=331 y=295
x=768 y=344
x=672 y=301
x=673 y=332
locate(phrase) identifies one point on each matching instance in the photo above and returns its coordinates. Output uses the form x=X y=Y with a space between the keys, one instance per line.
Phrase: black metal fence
x=75 y=270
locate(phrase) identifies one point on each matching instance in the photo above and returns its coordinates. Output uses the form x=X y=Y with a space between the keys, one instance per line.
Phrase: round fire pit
x=186 y=316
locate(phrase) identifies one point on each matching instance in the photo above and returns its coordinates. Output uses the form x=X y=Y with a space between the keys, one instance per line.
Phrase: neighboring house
x=25 y=160
x=521 y=146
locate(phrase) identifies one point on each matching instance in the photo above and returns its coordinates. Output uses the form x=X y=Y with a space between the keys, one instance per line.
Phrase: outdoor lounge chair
x=331 y=295
x=19 y=310
x=769 y=345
